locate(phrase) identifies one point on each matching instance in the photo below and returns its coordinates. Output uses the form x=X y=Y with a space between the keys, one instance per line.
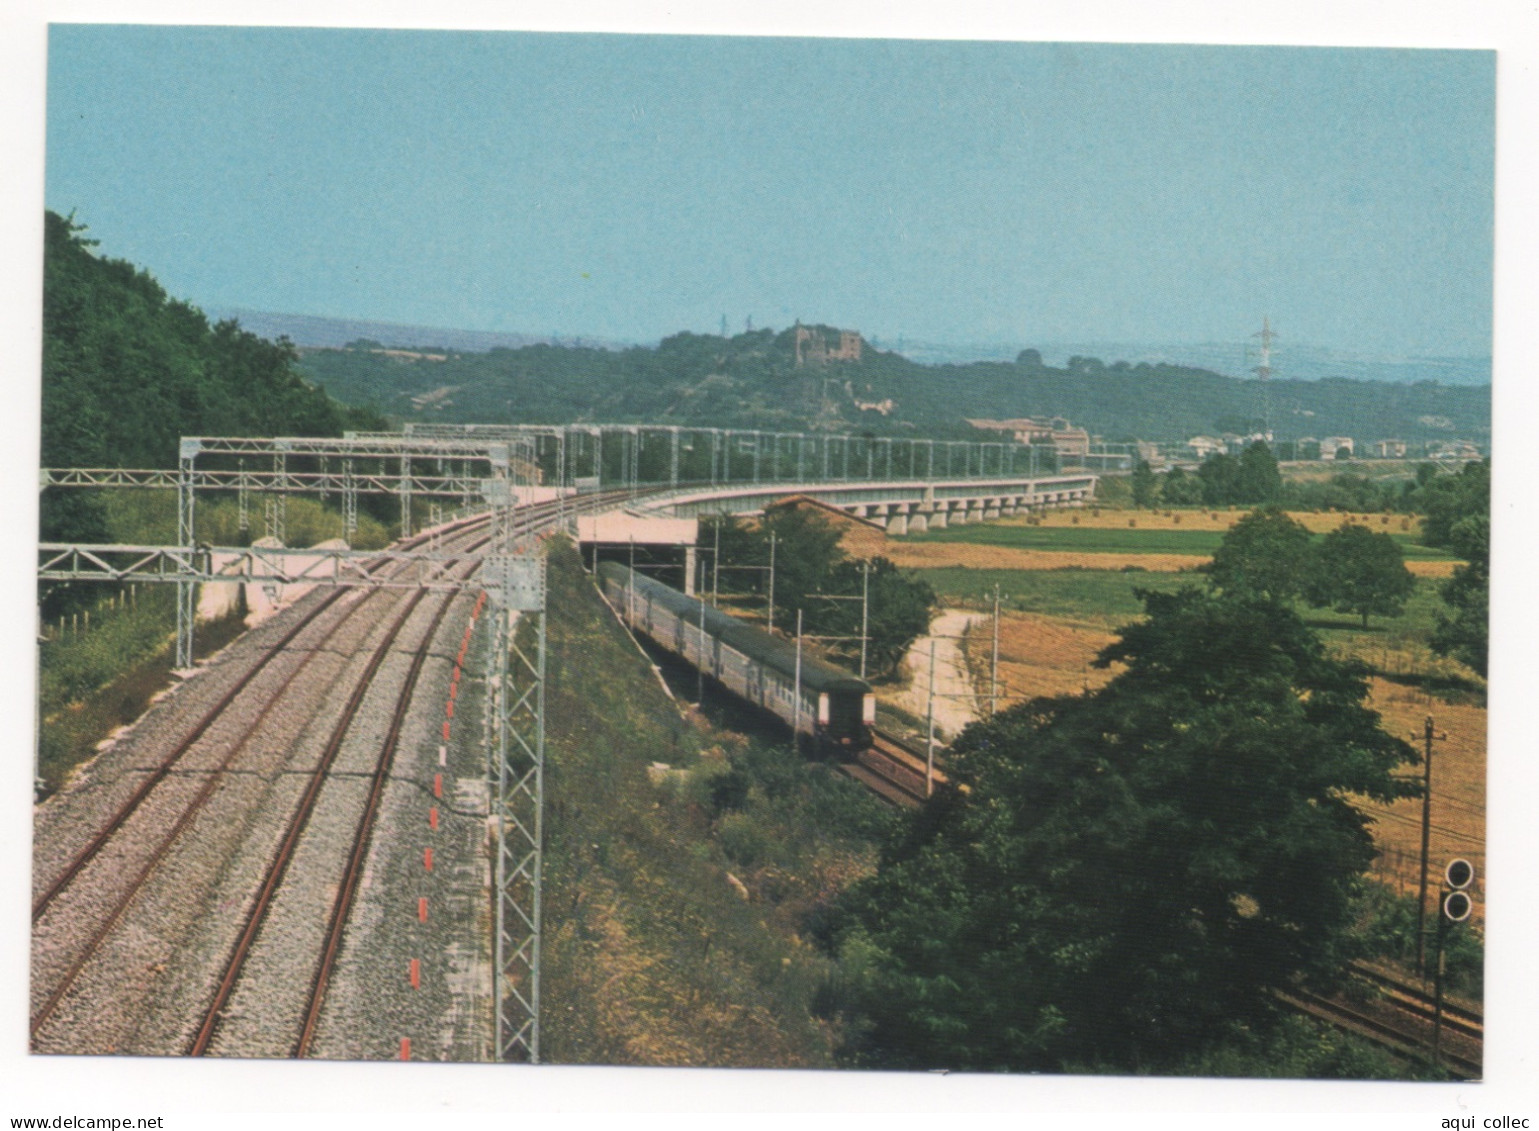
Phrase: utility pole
x=772 y=584
x=700 y=667
x=796 y=709
x=1426 y=838
x=716 y=564
x=994 y=663
x=865 y=606
x=929 y=743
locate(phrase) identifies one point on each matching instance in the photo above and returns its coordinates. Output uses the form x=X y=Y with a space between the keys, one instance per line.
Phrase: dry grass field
x=977 y=555
x=1038 y=655
x=1107 y=518
x=937 y=555
x=1458 y=787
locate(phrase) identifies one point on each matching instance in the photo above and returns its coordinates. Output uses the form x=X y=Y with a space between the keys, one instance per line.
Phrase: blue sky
x=633 y=186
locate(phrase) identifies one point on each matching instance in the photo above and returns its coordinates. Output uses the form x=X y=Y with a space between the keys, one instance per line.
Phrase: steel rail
x=298 y=822
x=84 y=857
x=212 y=780
x=1398 y=1041
x=343 y=904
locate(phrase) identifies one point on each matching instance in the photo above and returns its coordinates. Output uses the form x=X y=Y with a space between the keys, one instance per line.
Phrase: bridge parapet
x=900 y=506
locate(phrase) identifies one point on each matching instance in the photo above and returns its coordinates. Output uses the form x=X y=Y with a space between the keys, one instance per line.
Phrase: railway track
x=163 y=840
x=894 y=771
x=244 y=680
x=1401 y=1020
x=201 y=880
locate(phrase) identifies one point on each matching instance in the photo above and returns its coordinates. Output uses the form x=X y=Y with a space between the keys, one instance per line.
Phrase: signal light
x=1460 y=873
x=1457 y=906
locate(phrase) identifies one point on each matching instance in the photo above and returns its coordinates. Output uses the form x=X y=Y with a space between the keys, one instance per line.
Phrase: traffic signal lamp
x=1457 y=906
x=1460 y=873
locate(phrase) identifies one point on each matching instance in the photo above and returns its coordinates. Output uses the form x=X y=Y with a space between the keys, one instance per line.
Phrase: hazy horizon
x=628 y=187
x=1296 y=361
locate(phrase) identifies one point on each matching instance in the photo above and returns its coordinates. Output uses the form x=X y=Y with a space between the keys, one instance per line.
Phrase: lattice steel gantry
x=512 y=577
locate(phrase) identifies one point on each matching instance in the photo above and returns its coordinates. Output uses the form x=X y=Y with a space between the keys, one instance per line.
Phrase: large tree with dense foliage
x=1465 y=634
x=1446 y=500
x=814 y=576
x=1145 y=485
x=1180 y=489
x=1117 y=877
x=127 y=371
x=1259 y=480
x=1220 y=478
x=1354 y=570
x=1263 y=555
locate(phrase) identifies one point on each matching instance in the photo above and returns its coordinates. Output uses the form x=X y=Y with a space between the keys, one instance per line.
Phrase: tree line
x=816 y=578
x=1351 y=570
x=1253 y=478
x=752 y=380
x=127 y=371
x=1123 y=880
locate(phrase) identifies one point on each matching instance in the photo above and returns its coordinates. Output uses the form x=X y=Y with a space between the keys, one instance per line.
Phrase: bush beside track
x=674 y=899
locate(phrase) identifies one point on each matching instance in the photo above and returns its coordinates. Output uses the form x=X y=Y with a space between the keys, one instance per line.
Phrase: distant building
x=812 y=347
x=1054 y=432
x=1201 y=447
x=1389 y=449
x=1331 y=447
x=1453 y=449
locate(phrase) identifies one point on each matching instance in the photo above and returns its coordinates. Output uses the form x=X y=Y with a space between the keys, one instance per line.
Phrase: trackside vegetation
x=1130 y=873
x=683 y=866
x=127 y=371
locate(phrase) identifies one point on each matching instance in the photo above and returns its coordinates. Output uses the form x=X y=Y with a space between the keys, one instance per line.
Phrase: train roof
x=755 y=643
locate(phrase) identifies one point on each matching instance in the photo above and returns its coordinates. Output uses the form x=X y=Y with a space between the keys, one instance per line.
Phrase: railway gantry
x=196 y=888
x=230 y=877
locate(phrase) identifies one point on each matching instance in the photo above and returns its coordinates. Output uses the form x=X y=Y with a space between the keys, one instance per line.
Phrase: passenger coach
x=836 y=709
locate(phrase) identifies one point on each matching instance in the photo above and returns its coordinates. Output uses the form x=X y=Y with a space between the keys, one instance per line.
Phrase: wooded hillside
x=752 y=381
x=128 y=370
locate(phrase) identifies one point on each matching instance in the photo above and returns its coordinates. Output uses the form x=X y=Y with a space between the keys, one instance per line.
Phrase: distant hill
x=306 y=331
x=753 y=380
x=127 y=371
x=1295 y=361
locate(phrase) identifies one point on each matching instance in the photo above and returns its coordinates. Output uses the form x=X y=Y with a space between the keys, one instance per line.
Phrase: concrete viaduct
x=899 y=507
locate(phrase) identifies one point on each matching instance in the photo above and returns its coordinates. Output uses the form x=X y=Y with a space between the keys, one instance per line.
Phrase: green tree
x=1220 y=475
x=810 y=568
x=1180 y=489
x=1446 y=500
x=1145 y=485
x=1465 y=635
x=1264 y=555
x=1258 y=480
x=1354 y=570
x=899 y=607
x=1129 y=871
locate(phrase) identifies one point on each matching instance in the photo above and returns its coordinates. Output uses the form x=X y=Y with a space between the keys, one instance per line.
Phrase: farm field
x=1181 y=534
x=1062 y=605
x=1458 y=787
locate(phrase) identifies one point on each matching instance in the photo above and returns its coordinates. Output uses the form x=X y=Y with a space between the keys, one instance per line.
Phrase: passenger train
x=837 y=710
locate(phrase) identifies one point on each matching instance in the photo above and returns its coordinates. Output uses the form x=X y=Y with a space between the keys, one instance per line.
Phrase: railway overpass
x=901 y=506
x=522 y=483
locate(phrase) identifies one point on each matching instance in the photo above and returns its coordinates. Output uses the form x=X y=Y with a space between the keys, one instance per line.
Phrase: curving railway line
x=1401 y=1017
x=895 y=771
x=199 y=888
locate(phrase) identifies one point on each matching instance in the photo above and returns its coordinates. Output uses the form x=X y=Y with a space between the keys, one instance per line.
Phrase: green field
x=1104 y=540
x=1105 y=599
x=1102 y=597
